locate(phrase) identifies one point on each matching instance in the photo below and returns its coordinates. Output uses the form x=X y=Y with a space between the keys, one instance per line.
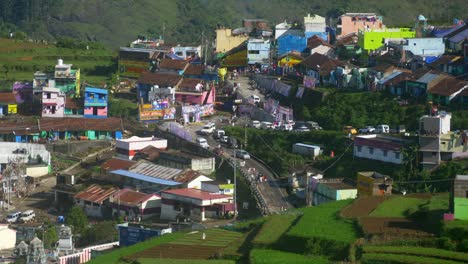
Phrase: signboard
x=193 y=113
x=147 y=113
x=132 y=235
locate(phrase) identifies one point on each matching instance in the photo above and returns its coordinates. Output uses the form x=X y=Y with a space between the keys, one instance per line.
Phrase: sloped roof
x=349 y=39
x=197 y=194
x=188 y=84
x=131 y=197
x=321 y=63
x=383 y=67
x=116 y=164
x=292 y=54
x=378 y=142
x=194 y=69
x=448 y=85
x=316 y=41
x=7 y=98
x=447 y=59
x=173 y=64
x=95 y=193
x=161 y=79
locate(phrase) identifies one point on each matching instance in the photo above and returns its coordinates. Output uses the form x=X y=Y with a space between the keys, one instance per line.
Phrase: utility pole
x=245 y=136
x=235 y=185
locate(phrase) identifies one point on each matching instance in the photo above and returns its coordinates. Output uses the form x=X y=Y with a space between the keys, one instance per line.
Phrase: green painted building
x=374 y=39
x=460 y=197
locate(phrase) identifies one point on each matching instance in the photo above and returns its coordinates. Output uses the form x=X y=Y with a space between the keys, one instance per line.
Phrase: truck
x=306 y=149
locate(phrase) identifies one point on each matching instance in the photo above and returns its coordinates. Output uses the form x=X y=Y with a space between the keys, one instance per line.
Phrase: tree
x=102 y=232
x=49 y=236
x=77 y=219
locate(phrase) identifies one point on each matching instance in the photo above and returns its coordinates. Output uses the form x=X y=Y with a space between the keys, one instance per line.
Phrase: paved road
x=246 y=90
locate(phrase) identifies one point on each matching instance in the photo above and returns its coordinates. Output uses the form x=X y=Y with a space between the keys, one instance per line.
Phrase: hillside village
x=300 y=142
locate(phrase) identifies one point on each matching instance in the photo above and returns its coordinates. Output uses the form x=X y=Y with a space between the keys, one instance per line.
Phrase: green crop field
x=376 y=258
x=213 y=237
x=183 y=261
x=266 y=256
x=20 y=59
x=274 y=227
x=323 y=221
x=419 y=251
x=397 y=206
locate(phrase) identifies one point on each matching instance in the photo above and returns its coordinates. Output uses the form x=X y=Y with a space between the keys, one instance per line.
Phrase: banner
x=309 y=82
x=148 y=114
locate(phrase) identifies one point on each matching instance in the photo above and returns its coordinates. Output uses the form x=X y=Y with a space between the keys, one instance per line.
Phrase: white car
x=382 y=129
x=208 y=129
x=13 y=217
x=202 y=142
x=255 y=124
x=366 y=130
x=27 y=216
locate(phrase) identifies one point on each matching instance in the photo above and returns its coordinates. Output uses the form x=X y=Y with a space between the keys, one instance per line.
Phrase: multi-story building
x=371 y=40
x=287 y=28
x=67 y=79
x=353 y=22
x=127 y=148
x=437 y=143
x=53 y=102
x=95 y=103
x=258 y=51
x=315 y=25
x=226 y=40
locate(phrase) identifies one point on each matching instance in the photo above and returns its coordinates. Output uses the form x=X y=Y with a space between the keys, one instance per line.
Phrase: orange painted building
x=353 y=22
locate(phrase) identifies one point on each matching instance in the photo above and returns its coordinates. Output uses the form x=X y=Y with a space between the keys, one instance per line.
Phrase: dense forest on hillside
x=116 y=22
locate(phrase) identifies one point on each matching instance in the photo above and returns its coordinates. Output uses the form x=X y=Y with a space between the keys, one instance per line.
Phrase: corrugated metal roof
x=95 y=193
x=391 y=76
x=155 y=171
x=142 y=177
x=428 y=77
x=197 y=194
x=459 y=37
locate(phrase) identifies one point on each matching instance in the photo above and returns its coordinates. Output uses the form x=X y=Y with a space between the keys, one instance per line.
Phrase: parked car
x=219 y=133
x=208 y=129
x=254 y=99
x=224 y=139
x=285 y=127
x=232 y=142
x=13 y=217
x=242 y=154
x=255 y=124
x=313 y=125
x=398 y=130
x=266 y=125
x=202 y=142
x=350 y=129
x=382 y=129
x=367 y=130
x=301 y=129
x=27 y=216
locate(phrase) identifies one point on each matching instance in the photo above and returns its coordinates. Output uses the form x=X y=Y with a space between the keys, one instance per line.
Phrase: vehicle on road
x=208 y=129
x=232 y=142
x=224 y=139
x=398 y=130
x=219 y=133
x=255 y=124
x=254 y=99
x=266 y=125
x=242 y=154
x=350 y=129
x=301 y=129
x=202 y=142
x=13 y=217
x=313 y=125
x=27 y=216
x=285 y=127
x=382 y=129
x=366 y=130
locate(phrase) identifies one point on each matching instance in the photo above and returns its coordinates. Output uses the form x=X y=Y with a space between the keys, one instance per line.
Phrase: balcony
x=95 y=102
x=49 y=101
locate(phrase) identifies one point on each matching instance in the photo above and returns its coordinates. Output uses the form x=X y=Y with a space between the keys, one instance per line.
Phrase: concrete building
x=315 y=25
x=194 y=204
x=95 y=103
x=378 y=147
x=53 y=102
x=371 y=40
x=8 y=105
x=195 y=92
x=332 y=189
x=8 y=236
x=95 y=200
x=127 y=148
x=353 y=22
x=133 y=62
x=287 y=28
x=226 y=40
x=134 y=205
x=437 y=143
x=188 y=52
x=226 y=188
x=67 y=80
x=258 y=51
x=373 y=183
x=460 y=197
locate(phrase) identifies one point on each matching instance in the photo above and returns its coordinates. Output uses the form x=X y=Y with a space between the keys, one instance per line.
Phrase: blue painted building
x=287 y=43
x=95 y=102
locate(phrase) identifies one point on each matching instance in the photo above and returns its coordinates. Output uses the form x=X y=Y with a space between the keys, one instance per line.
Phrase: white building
x=7 y=237
x=306 y=150
x=94 y=199
x=127 y=148
x=315 y=25
x=187 y=52
x=377 y=147
x=285 y=27
x=194 y=204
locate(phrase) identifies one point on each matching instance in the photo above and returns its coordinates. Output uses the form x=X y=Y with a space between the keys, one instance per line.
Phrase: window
x=254 y=52
x=397 y=155
x=371 y=150
x=385 y=152
x=48 y=96
x=179 y=53
x=359 y=148
x=87 y=202
x=434 y=154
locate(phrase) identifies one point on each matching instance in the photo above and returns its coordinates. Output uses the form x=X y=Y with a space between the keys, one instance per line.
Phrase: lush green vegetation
x=273 y=228
x=419 y=251
x=114 y=256
x=213 y=237
x=326 y=223
x=267 y=256
x=374 y=258
x=397 y=206
x=182 y=261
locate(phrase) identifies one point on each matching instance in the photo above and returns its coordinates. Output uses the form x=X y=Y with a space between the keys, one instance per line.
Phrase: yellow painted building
x=226 y=41
x=8 y=104
x=290 y=59
x=373 y=183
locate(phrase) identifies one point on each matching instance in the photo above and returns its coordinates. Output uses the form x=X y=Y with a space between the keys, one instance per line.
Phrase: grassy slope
x=419 y=251
x=266 y=256
x=323 y=221
x=184 y=261
x=372 y=258
x=397 y=206
x=274 y=228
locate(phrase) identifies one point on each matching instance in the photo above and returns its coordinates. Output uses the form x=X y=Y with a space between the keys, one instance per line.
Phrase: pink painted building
x=353 y=22
x=195 y=91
